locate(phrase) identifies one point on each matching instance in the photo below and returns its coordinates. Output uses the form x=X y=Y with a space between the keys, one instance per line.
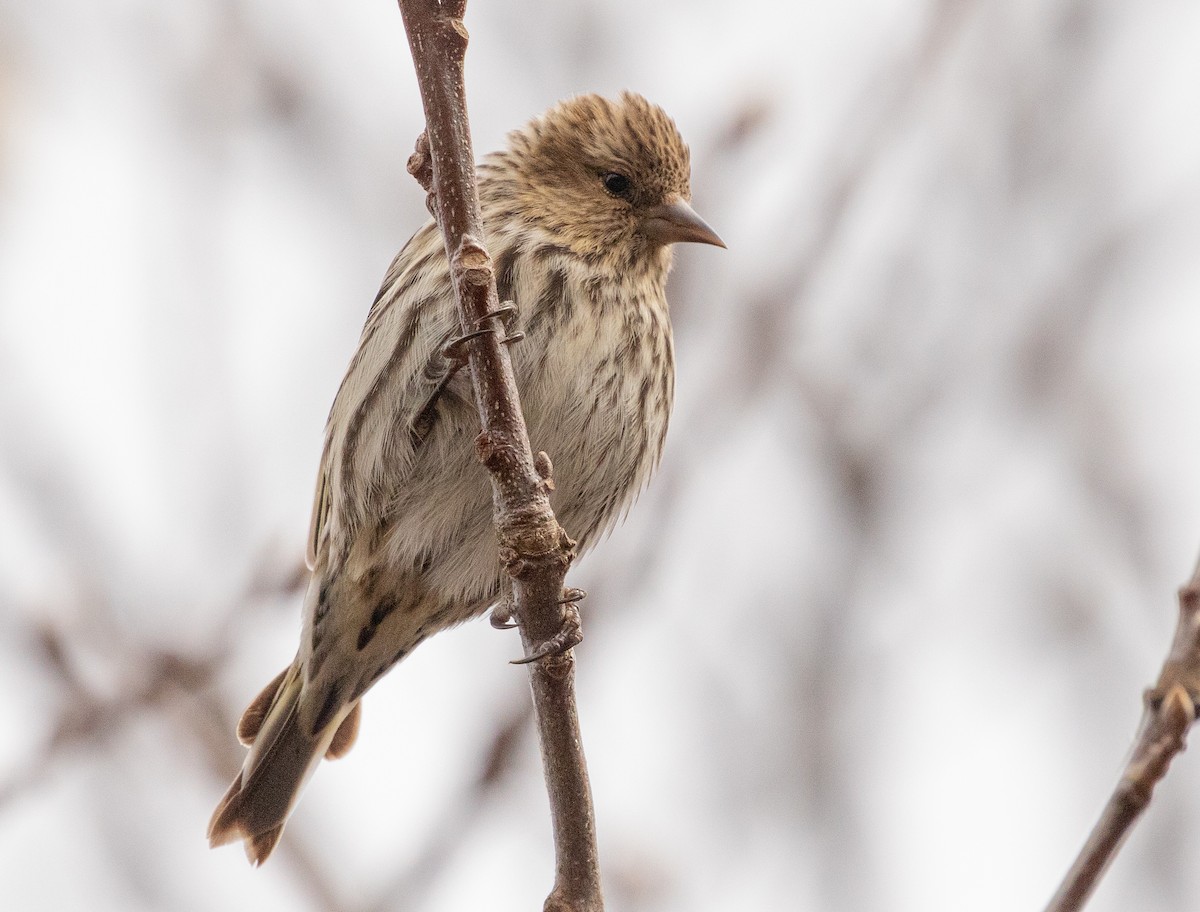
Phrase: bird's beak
x=672 y=223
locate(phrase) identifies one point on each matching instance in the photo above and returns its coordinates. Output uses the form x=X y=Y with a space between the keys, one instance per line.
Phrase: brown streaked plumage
x=580 y=212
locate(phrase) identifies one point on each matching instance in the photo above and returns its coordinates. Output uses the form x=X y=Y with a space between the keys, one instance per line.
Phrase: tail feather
x=283 y=755
x=346 y=735
x=256 y=712
x=259 y=847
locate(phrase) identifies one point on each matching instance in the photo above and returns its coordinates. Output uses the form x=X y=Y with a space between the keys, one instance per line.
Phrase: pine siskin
x=580 y=212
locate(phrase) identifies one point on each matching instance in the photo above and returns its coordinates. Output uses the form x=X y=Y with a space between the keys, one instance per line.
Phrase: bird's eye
x=616 y=184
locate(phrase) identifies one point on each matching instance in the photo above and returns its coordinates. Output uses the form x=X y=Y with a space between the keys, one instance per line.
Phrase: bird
x=580 y=212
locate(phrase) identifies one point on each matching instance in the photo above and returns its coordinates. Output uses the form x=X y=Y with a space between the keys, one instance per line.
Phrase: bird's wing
x=382 y=410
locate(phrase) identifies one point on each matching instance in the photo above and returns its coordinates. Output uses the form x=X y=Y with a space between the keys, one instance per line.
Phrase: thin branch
x=1170 y=710
x=534 y=548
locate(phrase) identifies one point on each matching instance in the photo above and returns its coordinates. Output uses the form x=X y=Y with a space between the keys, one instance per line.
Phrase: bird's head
x=596 y=175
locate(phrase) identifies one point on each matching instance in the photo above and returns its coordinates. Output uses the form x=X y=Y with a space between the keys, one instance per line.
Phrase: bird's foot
x=569 y=635
x=506 y=313
x=502 y=615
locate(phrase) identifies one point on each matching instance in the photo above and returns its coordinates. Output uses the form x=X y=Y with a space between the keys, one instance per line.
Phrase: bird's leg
x=569 y=635
x=455 y=357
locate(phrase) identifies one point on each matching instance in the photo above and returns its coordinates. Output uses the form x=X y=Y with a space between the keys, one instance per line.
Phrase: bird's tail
x=283 y=755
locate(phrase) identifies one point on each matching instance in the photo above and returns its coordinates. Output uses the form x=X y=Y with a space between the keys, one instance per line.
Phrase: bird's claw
x=506 y=313
x=571 y=596
x=569 y=635
x=502 y=616
x=453 y=352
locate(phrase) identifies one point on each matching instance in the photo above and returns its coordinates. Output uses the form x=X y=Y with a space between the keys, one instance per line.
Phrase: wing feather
x=369 y=442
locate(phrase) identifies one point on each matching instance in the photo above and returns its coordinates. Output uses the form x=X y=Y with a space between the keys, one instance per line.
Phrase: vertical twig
x=1170 y=709
x=536 y=551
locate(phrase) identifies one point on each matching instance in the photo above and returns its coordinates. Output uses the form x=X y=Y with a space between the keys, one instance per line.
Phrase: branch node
x=518 y=565
x=472 y=264
x=493 y=451
x=1177 y=710
x=565 y=542
x=545 y=469
x=420 y=165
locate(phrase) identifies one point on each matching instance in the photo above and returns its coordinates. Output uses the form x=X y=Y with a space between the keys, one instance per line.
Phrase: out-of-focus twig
x=1170 y=710
x=88 y=718
x=535 y=549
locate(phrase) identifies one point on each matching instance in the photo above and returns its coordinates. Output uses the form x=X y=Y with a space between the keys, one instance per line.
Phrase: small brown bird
x=580 y=212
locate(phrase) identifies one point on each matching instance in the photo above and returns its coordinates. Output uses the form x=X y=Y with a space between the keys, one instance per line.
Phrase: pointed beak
x=673 y=223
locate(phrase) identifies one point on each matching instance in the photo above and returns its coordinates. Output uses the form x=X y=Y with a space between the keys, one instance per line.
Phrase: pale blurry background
x=875 y=637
